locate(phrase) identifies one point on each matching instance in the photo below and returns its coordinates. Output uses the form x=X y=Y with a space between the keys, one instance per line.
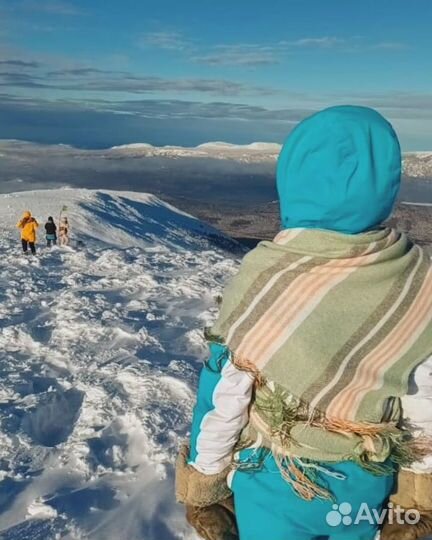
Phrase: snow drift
x=100 y=349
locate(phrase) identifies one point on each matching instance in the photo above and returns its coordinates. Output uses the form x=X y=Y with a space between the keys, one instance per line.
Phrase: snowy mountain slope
x=100 y=350
x=215 y=174
x=418 y=164
x=170 y=172
x=415 y=164
x=248 y=153
x=116 y=218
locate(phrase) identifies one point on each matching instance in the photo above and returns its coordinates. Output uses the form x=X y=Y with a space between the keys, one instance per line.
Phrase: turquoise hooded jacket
x=339 y=170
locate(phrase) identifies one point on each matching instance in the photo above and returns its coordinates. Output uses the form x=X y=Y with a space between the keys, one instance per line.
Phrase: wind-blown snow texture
x=100 y=349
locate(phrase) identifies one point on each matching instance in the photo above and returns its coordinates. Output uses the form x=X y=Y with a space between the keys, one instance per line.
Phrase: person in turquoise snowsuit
x=265 y=505
x=339 y=170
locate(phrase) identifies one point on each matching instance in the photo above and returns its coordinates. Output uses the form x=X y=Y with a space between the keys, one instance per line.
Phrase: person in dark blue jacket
x=51 y=232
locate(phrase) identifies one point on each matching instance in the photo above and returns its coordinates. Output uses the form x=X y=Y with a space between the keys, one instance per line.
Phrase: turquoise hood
x=339 y=170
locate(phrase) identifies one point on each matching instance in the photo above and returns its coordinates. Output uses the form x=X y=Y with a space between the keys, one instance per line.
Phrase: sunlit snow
x=100 y=347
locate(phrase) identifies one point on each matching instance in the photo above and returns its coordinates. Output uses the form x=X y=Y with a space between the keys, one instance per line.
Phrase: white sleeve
x=220 y=427
x=417 y=409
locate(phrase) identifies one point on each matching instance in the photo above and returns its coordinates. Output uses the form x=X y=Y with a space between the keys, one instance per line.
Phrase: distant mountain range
x=418 y=165
x=248 y=153
x=213 y=173
x=415 y=164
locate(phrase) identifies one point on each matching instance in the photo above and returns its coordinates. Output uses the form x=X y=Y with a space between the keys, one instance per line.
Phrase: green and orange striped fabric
x=338 y=322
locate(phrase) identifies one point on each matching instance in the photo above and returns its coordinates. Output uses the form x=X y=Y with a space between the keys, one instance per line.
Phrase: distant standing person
x=64 y=231
x=28 y=226
x=51 y=232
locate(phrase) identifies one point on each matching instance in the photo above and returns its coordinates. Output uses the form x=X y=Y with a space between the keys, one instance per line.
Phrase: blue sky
x=103 y=72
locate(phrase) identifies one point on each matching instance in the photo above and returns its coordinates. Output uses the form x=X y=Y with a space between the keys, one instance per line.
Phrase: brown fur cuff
x=414 y=490
x=215 y=522
x=197 y=489
x=396 y=531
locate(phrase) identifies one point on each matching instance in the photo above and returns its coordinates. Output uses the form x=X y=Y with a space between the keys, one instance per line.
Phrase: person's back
x=51 y=232
x=312 y=353
x=28 y=226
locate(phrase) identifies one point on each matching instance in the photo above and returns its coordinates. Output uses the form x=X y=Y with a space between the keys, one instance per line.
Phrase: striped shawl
x=333 y=324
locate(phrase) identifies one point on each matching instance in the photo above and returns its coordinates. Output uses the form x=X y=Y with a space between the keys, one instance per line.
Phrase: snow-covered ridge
x=209 y=146
x=415 y=164
x=117 y=218
x=100 y=346
x=259 y=154
x=257 y=151
x=418 y=164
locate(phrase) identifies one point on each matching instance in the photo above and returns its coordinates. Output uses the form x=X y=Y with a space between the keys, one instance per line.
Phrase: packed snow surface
x=101 y=345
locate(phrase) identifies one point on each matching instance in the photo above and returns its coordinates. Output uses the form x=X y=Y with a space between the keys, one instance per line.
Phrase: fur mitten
x=215 y=522
x=197 y=489
x=414 y=492
x=208 y=500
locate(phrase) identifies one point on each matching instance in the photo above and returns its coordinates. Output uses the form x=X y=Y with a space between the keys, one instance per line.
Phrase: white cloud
x=390 y=46
x=317 y=42
x=261 y=54
x=240 y=55
x=52 y=7
x=164 y=40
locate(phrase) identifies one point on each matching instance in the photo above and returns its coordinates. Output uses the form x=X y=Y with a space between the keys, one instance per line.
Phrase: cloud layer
x=50 y=7
x=213 y=92
x=258 y=54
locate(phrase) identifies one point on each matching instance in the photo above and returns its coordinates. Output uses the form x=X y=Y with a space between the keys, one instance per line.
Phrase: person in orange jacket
x=28 y=226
